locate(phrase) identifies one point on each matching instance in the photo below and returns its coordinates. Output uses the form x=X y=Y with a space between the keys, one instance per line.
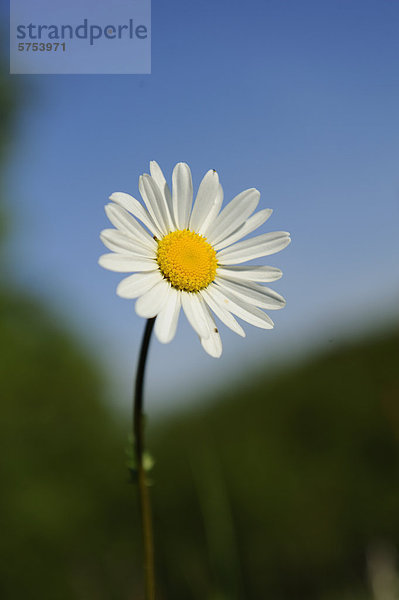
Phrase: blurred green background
x=285 y=487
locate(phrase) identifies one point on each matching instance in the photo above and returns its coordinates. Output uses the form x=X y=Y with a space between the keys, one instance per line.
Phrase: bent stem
x=144 y=499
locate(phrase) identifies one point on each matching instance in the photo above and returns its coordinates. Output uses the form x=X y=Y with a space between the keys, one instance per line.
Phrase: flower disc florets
x=186 y=260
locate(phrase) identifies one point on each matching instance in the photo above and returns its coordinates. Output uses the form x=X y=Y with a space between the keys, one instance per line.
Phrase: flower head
x=189 y=256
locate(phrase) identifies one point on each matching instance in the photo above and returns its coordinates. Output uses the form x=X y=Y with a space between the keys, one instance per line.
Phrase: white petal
x=249 y=273
x=117 y=241
x=138 y=284
x=212 y=344
x=128 y=203
x=207 y=197
x=182 y=194
x=248 y=227
x=159 y=178
x=127 y=224
x=213 y=212
x=155 y=202
x=241 y=309
x=152 y=302
x=126 y=263
x=166 y=323
x=261 y=245
x=233 y=215
x=224 y=315
x=253 y=293
x=194 y=311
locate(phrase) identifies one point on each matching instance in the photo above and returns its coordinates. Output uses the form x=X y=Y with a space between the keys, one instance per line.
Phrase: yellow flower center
x=187 y=260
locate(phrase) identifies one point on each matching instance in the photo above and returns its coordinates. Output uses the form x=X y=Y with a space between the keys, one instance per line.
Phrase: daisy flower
x=189 y=256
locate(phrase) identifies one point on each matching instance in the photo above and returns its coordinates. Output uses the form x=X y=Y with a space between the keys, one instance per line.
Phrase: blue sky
x=297 y=99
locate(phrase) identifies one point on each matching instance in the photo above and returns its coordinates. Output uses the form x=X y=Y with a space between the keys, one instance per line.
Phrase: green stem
x=144 y=499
